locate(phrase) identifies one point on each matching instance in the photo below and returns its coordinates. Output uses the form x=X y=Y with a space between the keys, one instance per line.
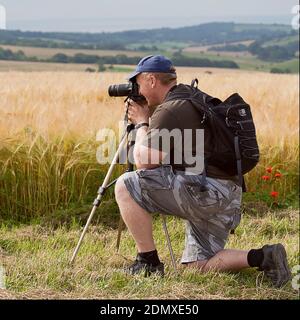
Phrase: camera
x=131 y=90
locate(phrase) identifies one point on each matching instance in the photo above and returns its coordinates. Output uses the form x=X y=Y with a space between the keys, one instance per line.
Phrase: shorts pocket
x=205 y=198
x=160 y=178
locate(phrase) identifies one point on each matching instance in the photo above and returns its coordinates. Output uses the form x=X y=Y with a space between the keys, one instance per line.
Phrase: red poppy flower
x=278 y=175
x=265 y=178
x=274 y=194
x=269 y=169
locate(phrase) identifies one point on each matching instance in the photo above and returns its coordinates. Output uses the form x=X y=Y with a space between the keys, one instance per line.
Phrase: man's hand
x=144 y=157
x=137 y=113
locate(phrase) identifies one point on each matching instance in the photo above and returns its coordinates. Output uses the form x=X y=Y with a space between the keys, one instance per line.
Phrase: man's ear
x=153 y=81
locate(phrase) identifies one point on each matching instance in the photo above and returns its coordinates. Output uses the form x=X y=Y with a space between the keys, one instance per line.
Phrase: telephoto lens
x=120 y=90
x=130 y=90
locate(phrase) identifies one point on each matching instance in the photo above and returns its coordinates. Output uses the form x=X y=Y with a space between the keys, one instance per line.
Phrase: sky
x=118 y=15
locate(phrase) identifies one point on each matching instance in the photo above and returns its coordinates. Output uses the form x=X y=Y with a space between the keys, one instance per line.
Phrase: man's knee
x=121 y=192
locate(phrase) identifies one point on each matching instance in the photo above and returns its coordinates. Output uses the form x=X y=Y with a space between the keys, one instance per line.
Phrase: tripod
x=105 y=185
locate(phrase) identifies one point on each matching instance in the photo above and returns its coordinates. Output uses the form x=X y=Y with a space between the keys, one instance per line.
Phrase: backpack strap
x=203 y=179
x=244 y=189
x=238 y=160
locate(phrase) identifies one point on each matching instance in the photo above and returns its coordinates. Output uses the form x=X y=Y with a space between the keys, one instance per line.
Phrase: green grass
x=247 y=63
x=292 y=65
x=36 y=261
x=281 y=41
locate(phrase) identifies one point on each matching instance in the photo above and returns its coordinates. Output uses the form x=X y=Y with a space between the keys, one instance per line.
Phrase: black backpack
x=235 y=149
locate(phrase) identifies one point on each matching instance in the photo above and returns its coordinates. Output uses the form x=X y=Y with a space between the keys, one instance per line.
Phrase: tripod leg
x=83 y=233
x=120 y=228
x=99 y=197
x=169 y=242
x=129 y=169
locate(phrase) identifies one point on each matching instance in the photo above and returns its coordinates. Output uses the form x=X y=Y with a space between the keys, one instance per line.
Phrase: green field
x=248 y=62
x=292 y=65
x=36 y=261
x=281 y=42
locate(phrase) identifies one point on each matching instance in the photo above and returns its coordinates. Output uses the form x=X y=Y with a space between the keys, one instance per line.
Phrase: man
x=211 y=209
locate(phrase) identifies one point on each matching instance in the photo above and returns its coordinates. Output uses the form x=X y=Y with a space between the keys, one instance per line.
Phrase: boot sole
x=281 y=263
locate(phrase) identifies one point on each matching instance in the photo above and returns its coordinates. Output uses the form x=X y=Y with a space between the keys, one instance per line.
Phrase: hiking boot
x=140 y=265
x=275 y=264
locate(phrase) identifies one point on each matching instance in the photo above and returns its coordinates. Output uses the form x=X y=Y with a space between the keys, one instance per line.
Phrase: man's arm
x=144 y=157
x=147 y=156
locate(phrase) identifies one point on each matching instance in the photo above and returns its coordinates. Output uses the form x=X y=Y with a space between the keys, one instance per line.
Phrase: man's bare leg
x=224 y=260
x=137 y=220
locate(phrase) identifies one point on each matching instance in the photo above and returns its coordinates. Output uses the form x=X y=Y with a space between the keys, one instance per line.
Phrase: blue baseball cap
x=153 y=64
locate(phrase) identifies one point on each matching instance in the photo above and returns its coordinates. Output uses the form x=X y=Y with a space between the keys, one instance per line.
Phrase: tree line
x=275 y=52
x=205 y=34
x=122 y=59
x=266 y=53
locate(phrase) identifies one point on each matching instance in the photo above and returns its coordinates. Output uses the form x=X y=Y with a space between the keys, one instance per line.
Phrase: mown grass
x=36 y=261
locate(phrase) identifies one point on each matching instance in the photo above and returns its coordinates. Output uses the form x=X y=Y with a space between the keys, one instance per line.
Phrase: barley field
x=49 y=175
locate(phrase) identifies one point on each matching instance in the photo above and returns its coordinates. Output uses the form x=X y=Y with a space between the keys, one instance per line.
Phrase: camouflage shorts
x=209 y=215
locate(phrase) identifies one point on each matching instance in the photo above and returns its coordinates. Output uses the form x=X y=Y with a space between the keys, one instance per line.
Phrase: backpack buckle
x=193 y=83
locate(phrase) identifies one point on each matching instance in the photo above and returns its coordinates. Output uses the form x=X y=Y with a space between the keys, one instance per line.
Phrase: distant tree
x=90 y=70
x=143 y=48
x=101 y=68
x=17 y=56
x=278 y=70
x=20 y=55
x=274 y=53
x=178 y=54
x=85 y=58
x=60 y=58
